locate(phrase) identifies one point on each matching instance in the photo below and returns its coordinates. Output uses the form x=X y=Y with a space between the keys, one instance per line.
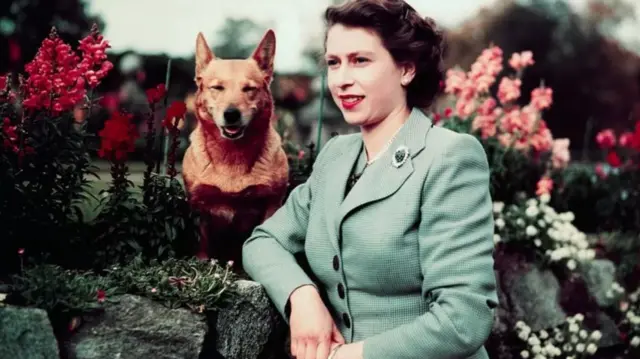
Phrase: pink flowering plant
x=519 y=144
x=45 y=167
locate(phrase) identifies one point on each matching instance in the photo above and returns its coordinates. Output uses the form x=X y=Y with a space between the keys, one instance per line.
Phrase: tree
x=24 y=24
x=237 y=38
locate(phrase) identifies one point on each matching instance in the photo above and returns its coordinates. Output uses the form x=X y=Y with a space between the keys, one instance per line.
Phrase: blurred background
x=588 y=51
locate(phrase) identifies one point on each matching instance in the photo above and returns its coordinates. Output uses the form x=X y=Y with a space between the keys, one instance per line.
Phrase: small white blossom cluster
x=616 y=291
x=630 y=324
x=568 y=341
x=538 y=226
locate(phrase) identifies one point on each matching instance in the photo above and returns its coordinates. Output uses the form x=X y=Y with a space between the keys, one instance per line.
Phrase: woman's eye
x=361 y=59
x=217 y=87
x=331 y=62
x=249 y=88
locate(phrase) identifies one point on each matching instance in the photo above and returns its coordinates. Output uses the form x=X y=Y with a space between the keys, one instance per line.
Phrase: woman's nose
x=341 y=77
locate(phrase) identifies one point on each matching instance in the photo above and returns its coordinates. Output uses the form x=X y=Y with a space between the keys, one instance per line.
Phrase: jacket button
x=345 y=318
x=336 y=263
x=341 y=290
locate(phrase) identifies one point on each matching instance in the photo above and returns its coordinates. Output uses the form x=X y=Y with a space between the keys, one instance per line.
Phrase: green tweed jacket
x=405 y=261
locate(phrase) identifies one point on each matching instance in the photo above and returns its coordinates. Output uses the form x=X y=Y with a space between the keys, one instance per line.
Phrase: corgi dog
x=235 y=169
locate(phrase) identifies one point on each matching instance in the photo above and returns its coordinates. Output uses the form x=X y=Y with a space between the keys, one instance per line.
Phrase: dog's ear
x=203 y=54
x=265 y=53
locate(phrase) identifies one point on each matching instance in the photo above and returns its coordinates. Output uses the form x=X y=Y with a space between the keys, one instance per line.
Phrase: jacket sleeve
x=456 y=251
x=268 y=253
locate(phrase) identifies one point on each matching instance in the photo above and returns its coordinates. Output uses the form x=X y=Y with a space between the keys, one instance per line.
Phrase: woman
x=395 y=221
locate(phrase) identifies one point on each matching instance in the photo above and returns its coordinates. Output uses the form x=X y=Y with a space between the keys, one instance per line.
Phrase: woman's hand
x=313 y=331
x=350 y=351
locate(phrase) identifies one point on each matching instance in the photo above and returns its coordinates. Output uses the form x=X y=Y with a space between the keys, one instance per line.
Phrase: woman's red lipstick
x=350 y=101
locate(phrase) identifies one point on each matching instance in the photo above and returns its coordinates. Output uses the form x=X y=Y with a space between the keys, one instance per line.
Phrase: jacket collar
x=381 y=179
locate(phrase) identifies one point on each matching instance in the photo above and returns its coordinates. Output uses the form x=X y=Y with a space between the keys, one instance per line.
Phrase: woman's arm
x=268 y=254
x=456 y=251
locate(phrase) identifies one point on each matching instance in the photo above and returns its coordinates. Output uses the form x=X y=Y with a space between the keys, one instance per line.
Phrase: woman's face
x=363 y=78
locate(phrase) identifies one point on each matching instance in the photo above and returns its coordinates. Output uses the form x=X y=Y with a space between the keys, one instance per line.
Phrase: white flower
x=523 y=335
x=499 y=223
x=596 y=335
x=583 y=334
x=542 y=223
x=633 y=297
x=537 y=242
x=635 y=341
x=571 y=264
x=534 y=341
x=536 y=349
x=580 y=347
x=532 y=211
x=496 y=238
x=573 y=328
x=543 y=334
x=575 y=339
x=519 y=324
x=524 y=354
x=567 y=216
x=559 y=337
x=520 y=222
x=545 y=198
x=531 y=231
x=532 y=202
x=567 y=347
x=498 y=207
x=591 y=348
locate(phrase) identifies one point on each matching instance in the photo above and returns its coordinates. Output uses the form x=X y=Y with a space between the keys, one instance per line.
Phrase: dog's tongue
x=232 y=130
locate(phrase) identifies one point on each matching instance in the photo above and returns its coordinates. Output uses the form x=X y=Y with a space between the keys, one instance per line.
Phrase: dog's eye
x=249 y=88
x=217 y=87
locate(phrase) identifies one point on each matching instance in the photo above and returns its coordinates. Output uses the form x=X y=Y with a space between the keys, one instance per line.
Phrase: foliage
x=191 y=283
x=52 y=288
x=196 y=285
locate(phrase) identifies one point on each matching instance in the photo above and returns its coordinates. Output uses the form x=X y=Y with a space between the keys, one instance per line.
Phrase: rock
x=610 y=332
x=533 y=297
x=26 y=333
x=250 y=327
x=136 y=328
x=599 y=276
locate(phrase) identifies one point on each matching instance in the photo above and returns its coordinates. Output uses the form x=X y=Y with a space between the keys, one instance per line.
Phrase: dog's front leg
x=272 y=206
x=205 y=233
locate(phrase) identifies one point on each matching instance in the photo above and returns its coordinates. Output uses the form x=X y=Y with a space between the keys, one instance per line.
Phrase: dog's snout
x=232 y=116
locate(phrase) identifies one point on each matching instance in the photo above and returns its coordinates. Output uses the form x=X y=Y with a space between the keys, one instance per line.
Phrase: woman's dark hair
x=405 y=34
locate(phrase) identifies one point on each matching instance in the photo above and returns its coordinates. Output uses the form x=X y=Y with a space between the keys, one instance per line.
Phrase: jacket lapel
x=381 y=179
x=337 y=182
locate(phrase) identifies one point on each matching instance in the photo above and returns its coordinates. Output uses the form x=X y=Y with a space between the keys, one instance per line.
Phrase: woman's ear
x=408 y=73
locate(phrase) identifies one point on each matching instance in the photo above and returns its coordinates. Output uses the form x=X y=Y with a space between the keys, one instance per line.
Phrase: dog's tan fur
x=235 y=184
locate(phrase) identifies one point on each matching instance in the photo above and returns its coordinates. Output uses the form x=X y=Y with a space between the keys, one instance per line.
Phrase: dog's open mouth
x=233 y=132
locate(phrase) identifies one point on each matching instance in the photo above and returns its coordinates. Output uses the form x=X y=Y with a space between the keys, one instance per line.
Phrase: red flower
x=177 y=110
x=613 y=159
x=10 y=135
x=101 y=295
x=154 y=95
x=606 y=139
x=118 y=137
x=626 y=140
x=20 y=251
x=3 y=83
x=600 y=172
x=448 y=112
x=57 y=77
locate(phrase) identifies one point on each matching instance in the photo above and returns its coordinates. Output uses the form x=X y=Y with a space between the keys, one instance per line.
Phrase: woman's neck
x=376 y=136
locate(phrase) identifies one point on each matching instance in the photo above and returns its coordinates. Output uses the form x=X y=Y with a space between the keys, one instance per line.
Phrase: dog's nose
x=232 y=116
